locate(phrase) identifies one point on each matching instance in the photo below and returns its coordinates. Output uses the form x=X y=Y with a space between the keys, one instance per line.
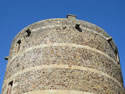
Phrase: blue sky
x=17 y=14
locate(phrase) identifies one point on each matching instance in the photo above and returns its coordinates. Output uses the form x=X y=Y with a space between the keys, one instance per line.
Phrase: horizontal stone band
x=58 y=92
x=63 y=67
x=62 y=45
x=86 y=28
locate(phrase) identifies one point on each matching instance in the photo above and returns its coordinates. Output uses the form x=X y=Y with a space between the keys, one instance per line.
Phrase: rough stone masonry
x=63 y=56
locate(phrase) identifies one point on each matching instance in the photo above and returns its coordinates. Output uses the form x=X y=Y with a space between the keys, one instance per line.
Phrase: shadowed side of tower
x=63 y=56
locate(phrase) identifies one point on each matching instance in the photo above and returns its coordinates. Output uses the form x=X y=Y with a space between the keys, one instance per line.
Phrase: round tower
x=63 y=56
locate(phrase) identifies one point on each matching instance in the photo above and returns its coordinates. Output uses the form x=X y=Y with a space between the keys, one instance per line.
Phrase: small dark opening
x=115 y=50
x=77 y=26
x=64 y=27
x=17 y=65
x=117 y=56
x=19 y=42
x=11 y=83
x=111 y=44
x=28 y=32
x=9 y=90
x=6 y=58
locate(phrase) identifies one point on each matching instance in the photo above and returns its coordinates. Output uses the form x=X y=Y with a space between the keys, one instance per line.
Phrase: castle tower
x=63 y=56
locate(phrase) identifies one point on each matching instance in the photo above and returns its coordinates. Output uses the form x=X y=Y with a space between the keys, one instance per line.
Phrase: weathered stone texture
x=63 y=55
x=83 y=58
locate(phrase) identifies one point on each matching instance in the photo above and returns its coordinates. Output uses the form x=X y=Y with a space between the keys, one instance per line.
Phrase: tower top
x=64 y=56
x=71 y=16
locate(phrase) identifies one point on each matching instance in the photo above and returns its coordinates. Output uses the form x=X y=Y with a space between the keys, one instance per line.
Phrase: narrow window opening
x=18 y=42
x=9 y=91
x=111 y=45
x=77 y=26
x=11 y=83
x=117 y=56
x=28 y=32
x=110 y=42
x=114 y=48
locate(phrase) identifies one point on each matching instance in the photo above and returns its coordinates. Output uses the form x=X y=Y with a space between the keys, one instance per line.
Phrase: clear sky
x=17 y=14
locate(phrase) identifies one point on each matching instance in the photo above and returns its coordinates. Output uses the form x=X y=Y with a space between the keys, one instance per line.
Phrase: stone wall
x=64 y=56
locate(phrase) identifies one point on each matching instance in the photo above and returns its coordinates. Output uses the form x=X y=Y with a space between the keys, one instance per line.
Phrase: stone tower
x=63 y=56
